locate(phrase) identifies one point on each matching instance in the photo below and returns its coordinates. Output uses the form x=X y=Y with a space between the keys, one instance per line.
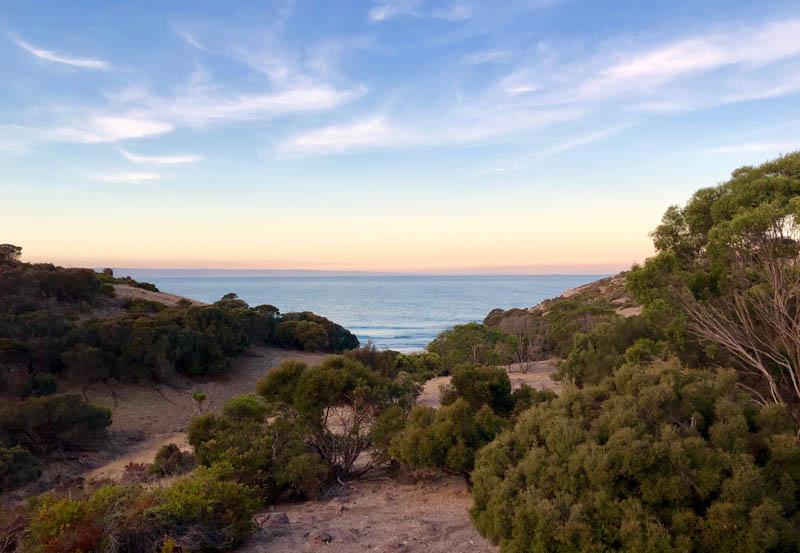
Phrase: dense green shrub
x=419 y=366
x=335 y=403
x=52 y=423
x=170 y=460
x=479 y=386
x=473 y=343
x=41 y=384
x=655 y=458
x=17 y=466
x=46 y=326
x=206 y=511
x=311 y=332
x=272 y=457
x=446 y=438
x=568 y=317
x=725 y=277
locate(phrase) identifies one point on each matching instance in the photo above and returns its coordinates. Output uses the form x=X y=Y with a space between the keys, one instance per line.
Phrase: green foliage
x=473 y=343
x=272 y=457
x=446 y=438
x=479 y=386
x=569 y=317
x=17 y=466
x=51 y=423
x=725 y=277
x=596 y=353
x=44 y=326
x=206 y=511
x=41 y=384
x=419 y=367
x=335 y=404
x=526 y=397
x=249 y=406
x=310 y=332
x=170 y=460
x=210 y=501
x=655 y=458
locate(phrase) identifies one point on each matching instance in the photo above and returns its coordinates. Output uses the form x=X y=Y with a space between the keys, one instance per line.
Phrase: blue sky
x=520 y=136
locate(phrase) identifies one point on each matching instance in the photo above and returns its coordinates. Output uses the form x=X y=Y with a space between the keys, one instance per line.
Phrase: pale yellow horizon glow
x=580 y=239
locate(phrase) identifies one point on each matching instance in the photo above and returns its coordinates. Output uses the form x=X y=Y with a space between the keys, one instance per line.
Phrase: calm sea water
x=403 y=313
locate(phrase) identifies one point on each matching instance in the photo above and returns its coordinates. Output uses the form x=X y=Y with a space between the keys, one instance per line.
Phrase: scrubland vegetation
x=676 y=428
x=58 y=323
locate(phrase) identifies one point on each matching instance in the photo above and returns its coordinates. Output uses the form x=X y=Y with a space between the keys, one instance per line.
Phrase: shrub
x=170 y=460
x=655 y=458
x=206 y=511
x=336 y=403
x=418 y=366
x=270 y=456
x=446 y=438
x=318 y=334
x=41 y=384
x=17 y=466
x=473 y=343
x=481 y=386
x=46 y=424
x=248 y=406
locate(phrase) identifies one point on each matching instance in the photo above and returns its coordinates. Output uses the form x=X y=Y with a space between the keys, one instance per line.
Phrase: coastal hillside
x=675 y=427
x=92 y=365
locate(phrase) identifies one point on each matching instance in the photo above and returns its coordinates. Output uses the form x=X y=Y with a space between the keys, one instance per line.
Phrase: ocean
x=399 y=312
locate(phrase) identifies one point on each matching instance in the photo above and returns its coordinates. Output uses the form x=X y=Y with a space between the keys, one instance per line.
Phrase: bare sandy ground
x=538 y=375
x=123 y=291
x=145 y=417
x=375 y=515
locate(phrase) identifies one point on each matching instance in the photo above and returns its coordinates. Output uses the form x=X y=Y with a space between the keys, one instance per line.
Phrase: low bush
x=52 y=423
x=17 y=466
x=474 y=343
x=206 y=511
x=335 y=404
x=170 y=460
x=272 y=457
x=446 y=438
x=655 y=458
x=420 y=367
x=479 y=386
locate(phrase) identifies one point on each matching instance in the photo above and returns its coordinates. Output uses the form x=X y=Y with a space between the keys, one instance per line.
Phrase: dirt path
x=378 y=515
x=145 y=417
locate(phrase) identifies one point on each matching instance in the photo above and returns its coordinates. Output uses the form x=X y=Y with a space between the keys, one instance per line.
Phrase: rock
x=272 y=520
x=318 y=537
x=394 y=547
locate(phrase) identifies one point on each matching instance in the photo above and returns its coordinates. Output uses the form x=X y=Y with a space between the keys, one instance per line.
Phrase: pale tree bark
x=757 y=318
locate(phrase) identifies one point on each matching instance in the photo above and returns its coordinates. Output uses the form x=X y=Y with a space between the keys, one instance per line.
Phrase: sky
x=524 y=136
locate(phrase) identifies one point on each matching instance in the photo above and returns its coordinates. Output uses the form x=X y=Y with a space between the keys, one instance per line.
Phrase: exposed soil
x=147 y=416
x=430 y=516
x=124 y=291
x=537 y=374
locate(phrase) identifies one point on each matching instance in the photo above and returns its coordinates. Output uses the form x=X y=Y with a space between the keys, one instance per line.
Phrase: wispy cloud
x=754 y=147
x=49 y=55
x=582 y=140
x=472 y=125
x=487 y=56
x=110 y=128
x=174 y=159
x=454 y=12
x=127 y=178
x=389 y=9
x=364 y=134
x=752 y=46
